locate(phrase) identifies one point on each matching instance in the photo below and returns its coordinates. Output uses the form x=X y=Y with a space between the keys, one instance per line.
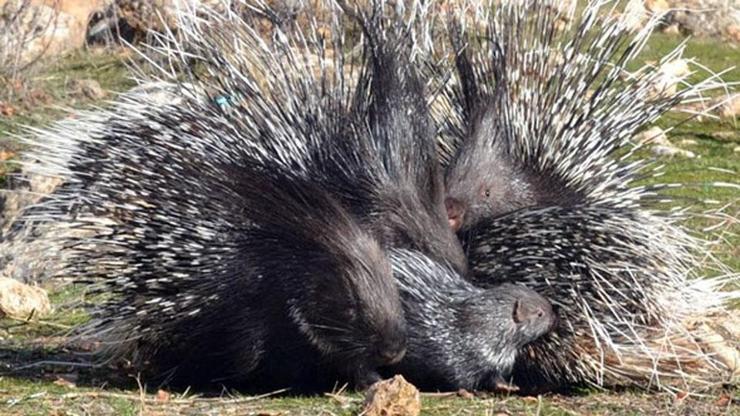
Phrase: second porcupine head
x=339 y=284
x=484 y=180
x=369 y=306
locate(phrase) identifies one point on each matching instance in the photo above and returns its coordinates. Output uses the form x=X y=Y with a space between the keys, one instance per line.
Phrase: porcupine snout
x=535 y=311
x=455 y=213
x=391 y=351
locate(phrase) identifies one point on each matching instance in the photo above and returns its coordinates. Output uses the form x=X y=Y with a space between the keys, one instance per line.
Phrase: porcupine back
x=367 y=132
x=543 y=177
x=190 y=249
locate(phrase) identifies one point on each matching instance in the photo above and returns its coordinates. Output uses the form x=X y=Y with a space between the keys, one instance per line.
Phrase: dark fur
x=279 y=279
x=391 y=177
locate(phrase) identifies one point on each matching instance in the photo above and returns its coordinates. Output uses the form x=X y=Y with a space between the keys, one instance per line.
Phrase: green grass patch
x=50 y=97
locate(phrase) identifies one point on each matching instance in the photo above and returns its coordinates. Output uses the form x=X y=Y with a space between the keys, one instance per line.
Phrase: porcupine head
x=463 y=336
x=485 y=181
x=490 y=174
x=505 y=319
x=339 y=288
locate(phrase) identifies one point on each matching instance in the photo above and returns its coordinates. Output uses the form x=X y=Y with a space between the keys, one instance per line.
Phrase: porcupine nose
x=391 y=350
x=455 y=213
x=393 y=355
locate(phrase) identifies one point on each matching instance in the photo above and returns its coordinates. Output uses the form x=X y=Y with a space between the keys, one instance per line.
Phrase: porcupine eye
x=485 y=193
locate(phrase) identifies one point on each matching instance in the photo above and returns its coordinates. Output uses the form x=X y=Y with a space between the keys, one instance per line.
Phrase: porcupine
x=540 y=181
x=177 y=126
x=191 y=246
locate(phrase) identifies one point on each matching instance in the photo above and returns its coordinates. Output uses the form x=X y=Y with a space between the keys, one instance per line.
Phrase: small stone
x=688 y=142
x=393 y=397
x=670 y=74
x=730 y=107
x=653 y=135
x=736 y=149
x=672 y=29
x=724 y=136
x=732 y=33
x=465 y=394
x=20 y=301
x=163 y=396
x=670 y=151
x=6 y=110
x=634 y=16
x=657 y=6
x=88 y=88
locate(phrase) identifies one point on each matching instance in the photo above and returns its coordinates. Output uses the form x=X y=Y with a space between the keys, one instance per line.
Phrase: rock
x=670 y=74
x=21 y=301
x=657 y=6
x=670 y=151
x=6 y=110
x=393 y=397
x=736 y=149
x=730 y=107
x=653 y=135
x=635 y=15
x=688 y=142
x=671 y=29
x=87 y=88
x=704 y=18
x=724 y=136
x=732 y=33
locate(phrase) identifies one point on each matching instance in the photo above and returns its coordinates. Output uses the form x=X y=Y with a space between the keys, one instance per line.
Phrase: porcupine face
x=381 y=314
x=486 y=179
x=483 y=181
x=497 y=324
x=532 y=314
x=360 y=319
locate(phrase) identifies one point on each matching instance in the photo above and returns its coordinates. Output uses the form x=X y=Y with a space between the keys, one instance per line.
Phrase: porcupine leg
x=365 y=377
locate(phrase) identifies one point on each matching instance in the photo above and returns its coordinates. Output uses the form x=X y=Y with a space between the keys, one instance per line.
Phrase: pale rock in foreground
x=654 y=136
x=20 y=301
x=392 y=397
x=670 y=151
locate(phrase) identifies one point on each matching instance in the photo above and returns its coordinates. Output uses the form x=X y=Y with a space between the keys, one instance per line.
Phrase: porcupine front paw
x=499 y=385
x=364 y=378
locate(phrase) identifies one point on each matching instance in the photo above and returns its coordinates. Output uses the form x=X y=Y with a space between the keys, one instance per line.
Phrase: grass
x=51 y=97
x=60 y=390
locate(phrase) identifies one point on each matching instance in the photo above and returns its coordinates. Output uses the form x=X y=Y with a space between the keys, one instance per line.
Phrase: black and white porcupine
x=222 y=236
x=542 y=181
x=209 y=279
x=216 y=264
